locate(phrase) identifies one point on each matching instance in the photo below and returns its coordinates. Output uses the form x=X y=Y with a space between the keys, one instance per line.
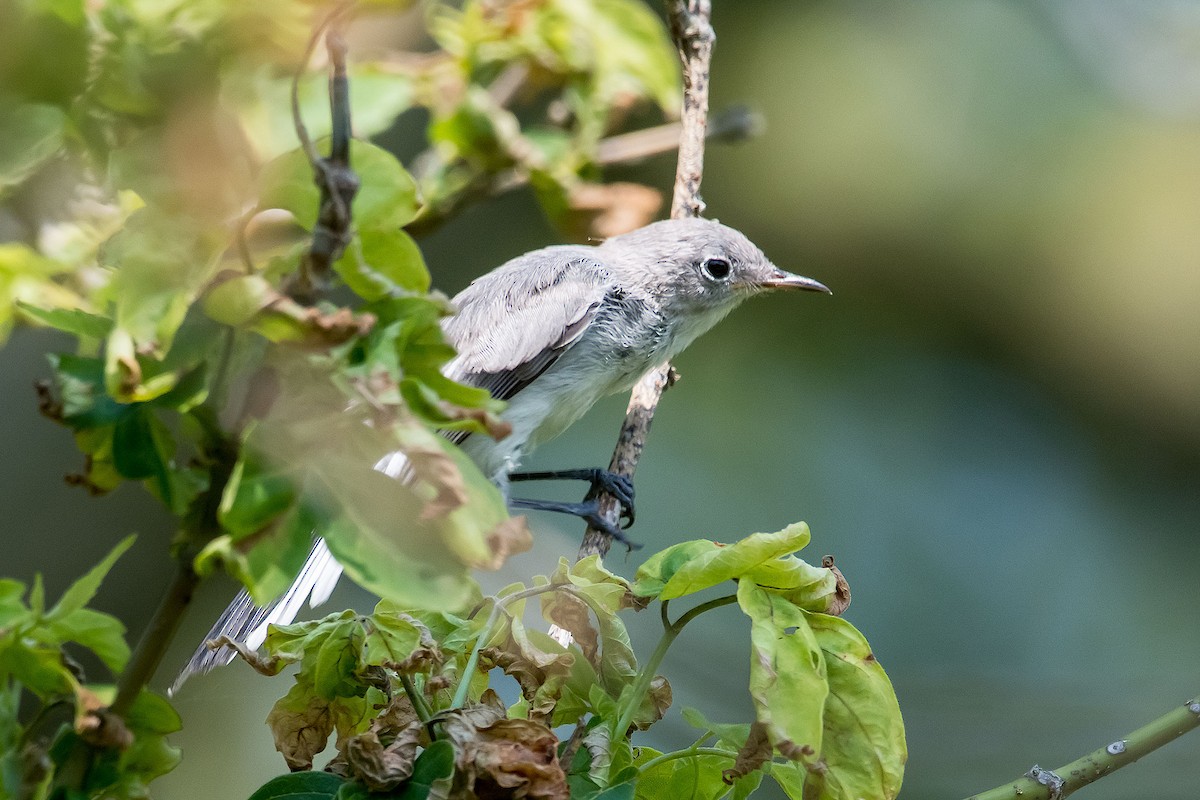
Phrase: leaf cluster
x=405 y=689
x=57 y=735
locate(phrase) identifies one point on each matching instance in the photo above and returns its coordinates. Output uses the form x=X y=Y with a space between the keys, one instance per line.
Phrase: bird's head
x=700 y=266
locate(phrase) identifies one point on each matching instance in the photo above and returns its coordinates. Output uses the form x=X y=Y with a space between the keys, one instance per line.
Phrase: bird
x=551 y=332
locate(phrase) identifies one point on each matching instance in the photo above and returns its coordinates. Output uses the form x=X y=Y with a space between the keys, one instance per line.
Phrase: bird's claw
x=621 y=488
x=592 y=516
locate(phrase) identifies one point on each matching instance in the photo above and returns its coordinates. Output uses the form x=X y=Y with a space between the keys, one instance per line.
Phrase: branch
x=153 y=644
x=1040 y=784
x=333 y=176
x=691 y=27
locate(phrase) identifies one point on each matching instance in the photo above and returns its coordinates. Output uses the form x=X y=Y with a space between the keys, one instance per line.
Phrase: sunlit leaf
x=788 y=682
x=388 y=197
x=690 y=567
x=863 y=747
x=381 y=262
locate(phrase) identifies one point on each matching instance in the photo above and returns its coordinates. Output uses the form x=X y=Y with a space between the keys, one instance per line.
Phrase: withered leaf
x=382 y=768
x=433 y=466
x=505 y=539
x=752 y=755
x=839 y=601
x=507 y=758
x=654 y=705
x=301 y=723
x=571 y=614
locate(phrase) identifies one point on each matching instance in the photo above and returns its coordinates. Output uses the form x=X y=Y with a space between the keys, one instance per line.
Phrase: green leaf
x=863 y=747
x=388 y=197
x=787 y=672
x=12 y=607
x=332 y=663
x=635 y=48
x=254 y=496
x=29 y=135
x=300 y=786
x=399 y=642
x=690 y=567
x=377 y=98
x=732 y=735
x=141 y=449
x=151 y=713
x=162 y=262
x=39 y=669
x=379 y=563
x=79 y=382
x=81 y=592
x=70 y=320
x=101 y=633
x=696 y=776
x=618 y=791
x=383 y=262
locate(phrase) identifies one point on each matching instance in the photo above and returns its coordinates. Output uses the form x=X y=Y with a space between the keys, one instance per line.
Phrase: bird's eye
x=716 y=268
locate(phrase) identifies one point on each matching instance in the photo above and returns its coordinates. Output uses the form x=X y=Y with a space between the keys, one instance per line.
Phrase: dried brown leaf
x=654 y=705
x=435 y=467
x=382 y=768
x=506 y=758
x=571 y=614
x=752 y=755
x=301 y=724
x=839 y=601
x=508 y=538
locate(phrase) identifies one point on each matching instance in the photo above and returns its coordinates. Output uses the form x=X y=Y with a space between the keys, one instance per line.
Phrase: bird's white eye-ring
x=716 y=268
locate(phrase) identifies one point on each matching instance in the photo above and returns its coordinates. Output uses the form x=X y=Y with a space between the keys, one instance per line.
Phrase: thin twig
x=1040 y=784
x=691 y=27
x=333 y=176
x=154 y=641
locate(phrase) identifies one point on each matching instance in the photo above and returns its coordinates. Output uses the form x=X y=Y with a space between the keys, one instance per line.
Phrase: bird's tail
x=246 y=623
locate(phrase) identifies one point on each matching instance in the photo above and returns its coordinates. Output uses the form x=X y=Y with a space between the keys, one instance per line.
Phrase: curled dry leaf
x=397 y=717
x=434 y=467
x=264 y=666
x=301 y=724
x=752 y=755
x=654 y=705
x=505 y=539
x=495 y=427
x=102 y=728
x=505 y=758
x=839 y=601
x=382 y=768
x=571 y=614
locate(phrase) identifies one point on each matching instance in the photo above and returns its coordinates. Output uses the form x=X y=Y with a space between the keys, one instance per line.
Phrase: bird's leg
x=619 y=486
x=588 y=511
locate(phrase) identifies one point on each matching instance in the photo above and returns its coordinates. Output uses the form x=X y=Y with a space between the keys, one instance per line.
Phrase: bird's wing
x=512 y=324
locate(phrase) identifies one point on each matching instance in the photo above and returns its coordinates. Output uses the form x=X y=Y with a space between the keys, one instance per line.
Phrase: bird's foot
x=601 y=480
x=588 y=511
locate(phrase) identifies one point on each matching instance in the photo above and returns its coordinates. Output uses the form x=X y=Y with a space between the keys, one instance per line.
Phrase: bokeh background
x=993 y=424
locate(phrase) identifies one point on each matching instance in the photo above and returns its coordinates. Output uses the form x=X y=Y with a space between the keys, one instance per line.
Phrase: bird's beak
x=786 y=280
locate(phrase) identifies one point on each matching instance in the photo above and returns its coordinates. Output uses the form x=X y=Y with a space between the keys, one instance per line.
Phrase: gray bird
x=551 y=332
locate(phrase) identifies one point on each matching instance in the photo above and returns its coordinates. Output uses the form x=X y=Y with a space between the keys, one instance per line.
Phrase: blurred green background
x=992 y=424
